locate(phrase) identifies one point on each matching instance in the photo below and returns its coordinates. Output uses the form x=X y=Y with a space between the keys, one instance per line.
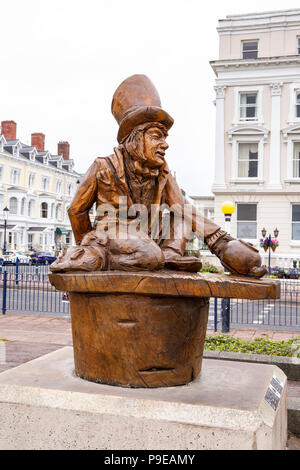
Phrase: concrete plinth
x=43 y=405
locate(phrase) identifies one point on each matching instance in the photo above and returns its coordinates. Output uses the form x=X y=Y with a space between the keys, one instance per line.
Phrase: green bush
x=208 y=268
x=287 y=348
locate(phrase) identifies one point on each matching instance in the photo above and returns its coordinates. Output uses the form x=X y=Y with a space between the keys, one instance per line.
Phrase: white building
x=37 y=187
x=257 y=155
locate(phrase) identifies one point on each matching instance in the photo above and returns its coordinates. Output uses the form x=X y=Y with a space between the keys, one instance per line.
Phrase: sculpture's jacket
x=105 y=182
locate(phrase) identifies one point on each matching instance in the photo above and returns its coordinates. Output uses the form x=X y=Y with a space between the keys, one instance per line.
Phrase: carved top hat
x=136 y=102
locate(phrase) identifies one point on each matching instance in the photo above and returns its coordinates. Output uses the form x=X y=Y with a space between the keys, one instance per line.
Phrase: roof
x=25 y=150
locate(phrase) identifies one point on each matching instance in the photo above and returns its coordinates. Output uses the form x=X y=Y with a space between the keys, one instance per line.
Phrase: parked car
x=42 y=257
x=10 y=257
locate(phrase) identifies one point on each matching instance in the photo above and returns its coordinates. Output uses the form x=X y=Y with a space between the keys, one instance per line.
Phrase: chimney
x=9 y=130
x=38 y=141
x=63 y=148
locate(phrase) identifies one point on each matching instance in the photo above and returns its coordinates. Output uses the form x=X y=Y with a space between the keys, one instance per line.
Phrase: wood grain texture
x=169 y=283
x=137 y=340
x=146 y=329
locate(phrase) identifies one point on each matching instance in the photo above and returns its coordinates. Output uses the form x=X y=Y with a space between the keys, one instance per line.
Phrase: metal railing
x=283 y=313
x=27 y=289
x=30 y=292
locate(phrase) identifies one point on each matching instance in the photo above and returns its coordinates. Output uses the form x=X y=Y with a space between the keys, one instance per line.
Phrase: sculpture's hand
x=237 y=256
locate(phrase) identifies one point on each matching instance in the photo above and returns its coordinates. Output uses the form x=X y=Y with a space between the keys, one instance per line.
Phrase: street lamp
x=267 y=243
x=228 y=208
x=5 y=217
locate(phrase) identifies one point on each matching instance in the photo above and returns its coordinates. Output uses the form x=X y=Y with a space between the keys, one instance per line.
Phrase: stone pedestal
x=44 y=405
x=146 y=329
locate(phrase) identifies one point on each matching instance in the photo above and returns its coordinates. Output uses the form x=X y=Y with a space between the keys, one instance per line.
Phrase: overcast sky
x=61 y=61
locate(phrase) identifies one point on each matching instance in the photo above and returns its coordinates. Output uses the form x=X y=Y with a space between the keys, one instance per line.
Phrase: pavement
x=31 y=335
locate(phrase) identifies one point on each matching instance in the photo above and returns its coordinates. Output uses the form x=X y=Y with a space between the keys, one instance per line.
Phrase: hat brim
x=142 y=115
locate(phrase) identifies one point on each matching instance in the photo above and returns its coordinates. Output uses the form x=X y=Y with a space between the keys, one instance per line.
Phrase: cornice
x=226 y=64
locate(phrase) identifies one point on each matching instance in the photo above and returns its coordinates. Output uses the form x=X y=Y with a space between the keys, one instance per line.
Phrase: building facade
x=37 y=188
x=257 y=152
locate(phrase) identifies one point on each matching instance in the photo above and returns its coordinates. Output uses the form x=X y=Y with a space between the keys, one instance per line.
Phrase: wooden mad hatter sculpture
x=132 y=188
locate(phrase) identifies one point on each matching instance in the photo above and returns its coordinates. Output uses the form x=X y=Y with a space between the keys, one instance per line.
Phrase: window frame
x=297 y=103
x=30 y=207
x=17 y=206
x=17 y=172
x=239 y=160
x=31 y=179
x=295 y=159
x=247 y=221
x=59 y=186
x=295 y=241
x=248 y=106
x=259 y=114
x=42 y=209
x=294 y=90
x=247 y=139
x=248 y=41
x=45 y=179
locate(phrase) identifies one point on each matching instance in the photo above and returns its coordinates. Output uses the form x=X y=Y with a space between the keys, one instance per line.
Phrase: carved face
x=155 y=146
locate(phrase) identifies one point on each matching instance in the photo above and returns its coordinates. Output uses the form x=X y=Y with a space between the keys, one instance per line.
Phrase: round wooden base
x=138 y=340
x=146 y=329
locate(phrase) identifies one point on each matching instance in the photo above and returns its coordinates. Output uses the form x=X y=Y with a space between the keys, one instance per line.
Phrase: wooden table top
x=167 y=283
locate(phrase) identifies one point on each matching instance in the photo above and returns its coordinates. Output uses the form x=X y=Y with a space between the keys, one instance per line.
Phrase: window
x=247 y=221
x=52 y=210
x=16 y=151
x=13 y=205
x=14 y=176
x=45 y=183
x=296 y=160
x=68 y=239
x=23 y=206
x=298 y=45
x=248 y=106
x=295 y=221
x=30 y=241
x=30 y=208
x=58 y=186
x=250 y=50
x=298 y=104
x=248 y=160
x=44 y=210
x=31 y=180
x=58 y=214
x=69 y=189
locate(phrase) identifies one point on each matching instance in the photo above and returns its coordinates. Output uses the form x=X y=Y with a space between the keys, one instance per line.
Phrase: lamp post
x=267 y=244
x=5 y=217
x=228 y=209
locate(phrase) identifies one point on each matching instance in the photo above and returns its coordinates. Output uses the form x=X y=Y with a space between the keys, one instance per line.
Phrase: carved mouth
x=160 y=154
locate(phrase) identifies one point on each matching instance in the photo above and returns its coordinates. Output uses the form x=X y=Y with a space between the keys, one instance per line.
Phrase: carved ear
x=77 y=252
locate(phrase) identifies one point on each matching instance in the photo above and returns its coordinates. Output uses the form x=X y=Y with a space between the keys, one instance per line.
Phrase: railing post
x=225 y=315
x=216 y=314
x=17 y=270
x=4 y=292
